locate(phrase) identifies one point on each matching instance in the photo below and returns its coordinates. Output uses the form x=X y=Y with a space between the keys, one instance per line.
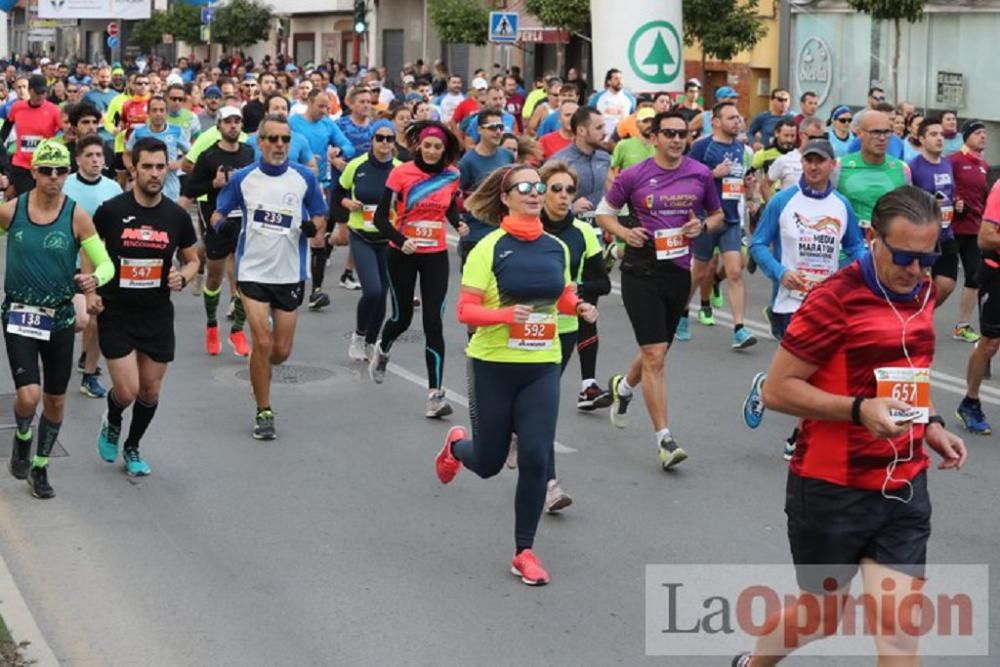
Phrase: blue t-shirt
x=939 y=180
x=173 y=137
x=895 y=147
x=473 y=169
x=100 y=99
x=841 y=147
x=712 y=153
x=322 y=134
x=360 y=136
x=470 y=126
x=299 y=152
x=549 y=124
x=90 y=195
x=764 y=122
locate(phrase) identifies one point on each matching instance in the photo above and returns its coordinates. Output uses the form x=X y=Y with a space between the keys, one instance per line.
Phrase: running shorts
x=989 y=297
x=947 y=264
x=287 y=297
x=969 y=253
x=655 y=303
x=124 y=329
x=727 y=239
x=218 y=245
x=56 y=355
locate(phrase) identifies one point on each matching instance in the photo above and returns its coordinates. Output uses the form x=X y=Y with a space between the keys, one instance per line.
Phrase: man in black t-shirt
x=142 y=231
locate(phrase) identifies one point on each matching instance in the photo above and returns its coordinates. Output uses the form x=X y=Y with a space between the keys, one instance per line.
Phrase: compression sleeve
x=472 y=312
x=104 y=268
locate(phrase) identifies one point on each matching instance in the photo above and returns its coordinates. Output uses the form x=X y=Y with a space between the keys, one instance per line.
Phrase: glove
x=308 y=228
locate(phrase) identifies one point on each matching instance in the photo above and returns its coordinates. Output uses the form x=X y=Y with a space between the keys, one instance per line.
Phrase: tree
x=895 y=11
x=241 y=23
x=149 y=32
x=182 y=20
x=723 y=28
x=459 y=21
x=569 y=15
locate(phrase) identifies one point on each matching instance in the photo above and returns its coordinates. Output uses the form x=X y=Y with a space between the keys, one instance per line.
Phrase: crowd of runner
x=125 y=186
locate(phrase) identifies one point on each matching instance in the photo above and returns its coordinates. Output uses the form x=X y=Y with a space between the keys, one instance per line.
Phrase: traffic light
x=360 y=17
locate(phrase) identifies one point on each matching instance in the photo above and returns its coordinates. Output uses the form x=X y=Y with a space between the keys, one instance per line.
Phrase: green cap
x=50 y=153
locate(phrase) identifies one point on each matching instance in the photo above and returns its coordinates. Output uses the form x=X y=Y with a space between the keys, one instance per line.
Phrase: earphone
x=889 y=469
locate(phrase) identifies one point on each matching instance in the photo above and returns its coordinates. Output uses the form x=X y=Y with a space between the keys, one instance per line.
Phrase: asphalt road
x=336 y=544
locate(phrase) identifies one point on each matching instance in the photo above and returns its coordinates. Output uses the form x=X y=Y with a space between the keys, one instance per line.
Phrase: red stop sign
x=113 y=29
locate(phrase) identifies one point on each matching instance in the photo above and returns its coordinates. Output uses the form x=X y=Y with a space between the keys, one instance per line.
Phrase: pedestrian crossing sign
x=503 y=27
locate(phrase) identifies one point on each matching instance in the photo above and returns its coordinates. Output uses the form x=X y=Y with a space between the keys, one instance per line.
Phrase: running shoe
x=526 y=566
x=555 y=498
x=134 y=465
x=369 y=351
x=437 y=406
x=446 y=465
x=378 y=364
x=742 y=660
x=198 y=284
x=347 y=281
x=772 y=323
x=38 y=480
x=213 y=345
x=705 y=316
x=973 y=420
x=238 y=341
x=753 y=406
x=511 y=461
x=20 y=458
x=683 y=332
x=592 y=398
x=81 y=365
x=717 y=300
x=742 y=339
x=356 y=351
x=619 y=403
x=107 y=439
x=965 y=333
x=318 y=300
x=90 y=386
x=264 y=426
x=789 y=448
x=670 y=453
x=231 y=309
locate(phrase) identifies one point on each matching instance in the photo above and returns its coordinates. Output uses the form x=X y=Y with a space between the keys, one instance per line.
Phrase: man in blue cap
x=701 y=126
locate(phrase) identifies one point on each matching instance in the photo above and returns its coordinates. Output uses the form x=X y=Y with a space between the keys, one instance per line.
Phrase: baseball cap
x=212 y=91
x=44 y=61
x=693 y=82
x=174 y=78
x=37 y=83
x=229 y=112
x=479 y=83
x=819 y=147
x=725 y=93
x=117 y=71
x=644 y=98
x=50 y=153
x=408 y=78
x=644 y=114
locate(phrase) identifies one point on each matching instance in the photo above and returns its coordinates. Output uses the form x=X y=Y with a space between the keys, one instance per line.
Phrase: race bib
x=426 y=233
x=272 y=221
x=535 y=334
x=29 y=144
x=947 y=214
x=140 y=273
x=368 y=217
x=670 y=243
x=732 y=188
x=30 y=321
x=910 y=385
x=812 y=277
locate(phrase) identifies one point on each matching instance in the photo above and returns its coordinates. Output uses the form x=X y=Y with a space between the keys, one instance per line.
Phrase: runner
x=34 y=120
x=357 y=127
x=870 y=173
x=553 y=142
x=764 y=124
x=970 y=171
x=47 y=231
x=839 y=132
x=666 y=193
x=356 y=196
x=171 y=135
x=423 y=195
x=300 y=150
x=143 y=231
x=101 y=95
x=282 y=206
x=514 y=355
x=211 y=173
x=614 y=102
x=857 y=485
x=798 y=244
x=724 y=155
x=786 y=170
x=473 y=168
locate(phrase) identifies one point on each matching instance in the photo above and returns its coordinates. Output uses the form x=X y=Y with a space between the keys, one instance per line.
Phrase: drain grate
x=292 y=374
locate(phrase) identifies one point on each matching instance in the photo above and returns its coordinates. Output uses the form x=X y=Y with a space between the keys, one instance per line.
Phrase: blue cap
x=291 y=67
x=383 y=124
x=212 y=91
x=413 y=97
x=725 y=93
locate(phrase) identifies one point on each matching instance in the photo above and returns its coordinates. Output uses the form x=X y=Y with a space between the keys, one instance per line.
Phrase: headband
x=433 y=131
x=843 y=108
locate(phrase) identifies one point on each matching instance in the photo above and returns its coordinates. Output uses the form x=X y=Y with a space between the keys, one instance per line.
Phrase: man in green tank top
x=46 y=233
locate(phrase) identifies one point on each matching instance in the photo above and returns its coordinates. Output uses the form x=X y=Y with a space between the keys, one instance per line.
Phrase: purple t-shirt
x=939 y=180
x=662 y=198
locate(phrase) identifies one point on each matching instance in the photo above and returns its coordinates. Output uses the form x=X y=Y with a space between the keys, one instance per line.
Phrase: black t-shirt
x=200 y=181
x=253 y=113
x=142 y=243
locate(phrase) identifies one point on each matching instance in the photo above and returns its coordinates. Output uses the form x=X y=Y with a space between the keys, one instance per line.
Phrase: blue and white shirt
x=274 y=201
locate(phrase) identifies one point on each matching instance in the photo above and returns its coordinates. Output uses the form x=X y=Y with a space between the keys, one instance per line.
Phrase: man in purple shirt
x=674 y=199
x=932 y=173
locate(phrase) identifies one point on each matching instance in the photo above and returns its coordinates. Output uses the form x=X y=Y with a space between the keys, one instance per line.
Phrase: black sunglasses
x=559 y=187
x=812 y=137
x=907 y=257
x=176 y=99
x=525 y=187
x=49 y=171
x=278 y=138
x=673 y=134
x=878 y=98
x=782 y=99
x=384 y=138
x=844 y=120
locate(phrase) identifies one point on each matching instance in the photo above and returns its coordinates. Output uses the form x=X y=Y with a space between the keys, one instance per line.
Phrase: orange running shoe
x=212 y=343
x=238 y=341
x=526 y=566
x=447 y=465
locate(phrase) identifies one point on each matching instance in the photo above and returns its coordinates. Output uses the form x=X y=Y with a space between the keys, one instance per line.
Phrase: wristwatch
x=936 y=419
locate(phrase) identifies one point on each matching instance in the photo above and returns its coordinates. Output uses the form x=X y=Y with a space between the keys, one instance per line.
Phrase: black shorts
x=655 y=303
x=947 y=264
x=122 y=329
x=836 y=526
x=971 y=256
x=287 y=297
x=56 y=354
x=21 y=179
x=989 y=297
x=119 y=163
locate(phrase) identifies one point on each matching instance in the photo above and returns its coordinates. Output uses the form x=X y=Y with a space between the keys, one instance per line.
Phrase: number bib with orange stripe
x=140 y=273
x=368 y=218
x=670 y=243
x=732 y=188
x=426 y=233
x=910 y=385
x=535 y=334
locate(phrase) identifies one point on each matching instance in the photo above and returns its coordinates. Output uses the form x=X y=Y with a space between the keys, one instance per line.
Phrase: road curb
x=21 y=623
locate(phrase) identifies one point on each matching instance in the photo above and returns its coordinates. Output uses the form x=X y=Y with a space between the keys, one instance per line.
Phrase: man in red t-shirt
x=470 y=104
x=553 y=142
x=35 y=119
x=135 y=110
x=858 y=350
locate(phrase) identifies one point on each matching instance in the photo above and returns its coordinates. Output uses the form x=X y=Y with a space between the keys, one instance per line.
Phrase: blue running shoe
x=742 y=339
x=107 y=440
x=753 y=406
x=92 y=387
x=683 y=332
x=134 y=465
x=973 y=420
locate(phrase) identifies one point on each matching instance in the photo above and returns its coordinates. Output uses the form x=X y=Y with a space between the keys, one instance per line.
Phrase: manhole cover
x=291 y=374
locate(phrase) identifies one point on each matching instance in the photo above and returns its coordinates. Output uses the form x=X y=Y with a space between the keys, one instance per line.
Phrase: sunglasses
x=811 y=137
x=525 y=187
x=49 y=171
x=673 y=134
x=176 y=99
x=878 y=98
x=783 y=99
x=559 y=187
x=278 y=138
x=384 y=138
x=907 y=257
x=844 y=120
x=496 y=127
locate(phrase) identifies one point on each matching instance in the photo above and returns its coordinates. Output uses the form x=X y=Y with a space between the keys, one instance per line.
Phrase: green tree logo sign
x=654 y=52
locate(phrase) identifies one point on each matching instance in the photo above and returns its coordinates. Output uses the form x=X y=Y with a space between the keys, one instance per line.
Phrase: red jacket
x=970 y=186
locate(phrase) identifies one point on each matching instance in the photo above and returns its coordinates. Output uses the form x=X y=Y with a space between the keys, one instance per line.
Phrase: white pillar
x=372 y=37
x=645 y=43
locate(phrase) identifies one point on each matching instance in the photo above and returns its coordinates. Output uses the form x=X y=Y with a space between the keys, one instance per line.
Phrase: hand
x=875 y=417
x=587 y=311
x=722 y=169
x=94 y=304
x=793 y=280
x=949 y=446
x=959 y=205
x=693 y=227
x=409 y=247
x=175 y=165
x=220 y=179
x=582 y=205
x=522 y=312
x=175 y=280
x=86 y=282
x=636 y=237
x=352 y=205
x=339 y=163
x=463 y=229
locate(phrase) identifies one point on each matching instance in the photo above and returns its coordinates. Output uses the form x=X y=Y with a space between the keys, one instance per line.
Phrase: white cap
x=480 y=83
x=408 y=78
x=174 y=78
x=230 y=111
x=44 y=61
